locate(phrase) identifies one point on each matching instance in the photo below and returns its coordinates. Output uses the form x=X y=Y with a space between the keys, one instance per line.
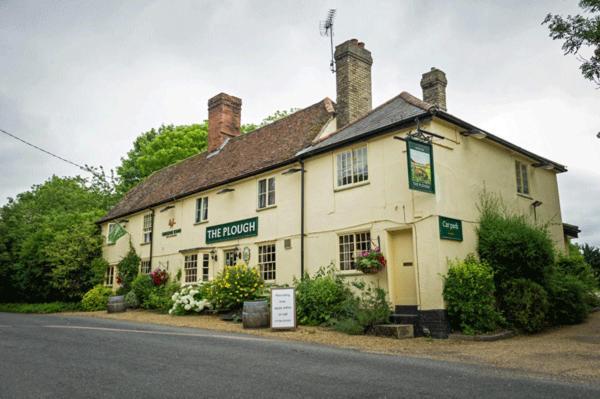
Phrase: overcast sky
x=84 y=78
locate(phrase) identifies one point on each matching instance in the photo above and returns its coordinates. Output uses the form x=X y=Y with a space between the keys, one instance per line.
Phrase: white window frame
x=147 y=228
x=522 y=177
x=227 y=254
x=352 y=167
x=201 y=209
x=267 y=261
x=110 y=227
x=266 y=193
x=109 y=277
x=145 y=267
x=190 y=269
x=350 y=245
x=205 y=266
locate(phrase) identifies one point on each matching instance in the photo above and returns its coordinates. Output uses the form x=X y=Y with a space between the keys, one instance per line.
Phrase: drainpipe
x=151 y=240
x=301 y=219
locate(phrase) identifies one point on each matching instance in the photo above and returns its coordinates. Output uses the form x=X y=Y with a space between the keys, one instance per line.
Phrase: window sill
x=349 y=273
x=349 y=186
x=266 y=208
x=525 y=196
x=145 y=243
x=201 y=222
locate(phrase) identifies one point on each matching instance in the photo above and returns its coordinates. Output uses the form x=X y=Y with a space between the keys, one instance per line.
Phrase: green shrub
x=525 y=304
x=128 y=268
x=96 y=298
x=591 y=255
x=360 y=313
x=321 y=299
x=511 y=245
x=469 y=293
x=233 y=286
x=131 y=300
x=142 y=286
x=567 y=297
x=48 y=307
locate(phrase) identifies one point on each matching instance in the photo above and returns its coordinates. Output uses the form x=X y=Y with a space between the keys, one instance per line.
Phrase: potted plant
x=370 y=261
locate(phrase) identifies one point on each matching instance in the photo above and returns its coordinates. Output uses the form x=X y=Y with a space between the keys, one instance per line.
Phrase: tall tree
x=158 y=148
x=579 y=31
x=49 y=240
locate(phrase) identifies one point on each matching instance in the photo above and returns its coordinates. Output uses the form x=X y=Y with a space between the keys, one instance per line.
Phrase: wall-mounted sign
x=171 y=233
x=450 y=229
x=420 y=166
x=283 y=308
x=232 y=230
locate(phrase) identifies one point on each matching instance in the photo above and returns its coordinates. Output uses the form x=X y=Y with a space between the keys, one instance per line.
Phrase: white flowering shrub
x=189 y=299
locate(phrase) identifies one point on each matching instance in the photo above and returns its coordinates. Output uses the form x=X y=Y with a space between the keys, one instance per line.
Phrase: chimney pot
x=433 y=84
x=224 y=117
x=353 y=81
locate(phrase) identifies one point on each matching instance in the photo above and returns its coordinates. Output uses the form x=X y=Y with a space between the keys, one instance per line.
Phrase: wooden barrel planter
x=116 y=304
x=255 y=314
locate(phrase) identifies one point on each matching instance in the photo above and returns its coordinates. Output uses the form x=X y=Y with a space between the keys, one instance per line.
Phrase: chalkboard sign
x=283 y=308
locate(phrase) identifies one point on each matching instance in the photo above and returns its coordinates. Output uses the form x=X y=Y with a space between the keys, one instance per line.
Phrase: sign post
x=420 y=166
x=283 y=308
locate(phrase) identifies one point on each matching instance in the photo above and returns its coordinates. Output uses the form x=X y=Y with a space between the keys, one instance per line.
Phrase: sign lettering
x=283 y=308
x=450 y=229
x=232 y=231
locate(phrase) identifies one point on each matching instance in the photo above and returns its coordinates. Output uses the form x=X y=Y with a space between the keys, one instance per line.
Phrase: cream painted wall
x=464 y=167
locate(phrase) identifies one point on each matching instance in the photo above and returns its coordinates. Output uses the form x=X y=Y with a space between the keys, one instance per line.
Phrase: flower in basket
x=159 y=277
x=370 y=261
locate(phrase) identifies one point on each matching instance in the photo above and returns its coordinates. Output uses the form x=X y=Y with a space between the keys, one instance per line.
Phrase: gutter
x=301 y=219
x=151 y=241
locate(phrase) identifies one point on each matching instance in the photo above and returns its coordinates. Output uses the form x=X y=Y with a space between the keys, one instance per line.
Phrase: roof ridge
x=417 y=102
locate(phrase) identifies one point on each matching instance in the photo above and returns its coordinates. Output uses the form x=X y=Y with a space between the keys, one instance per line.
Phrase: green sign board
x=232 y=230
x=450 y=229
x=420 y=166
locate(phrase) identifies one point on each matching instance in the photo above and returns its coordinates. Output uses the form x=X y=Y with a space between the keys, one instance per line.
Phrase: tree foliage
x=591 y=255
x=159 y=148
x=580 y=31
x=49 y=241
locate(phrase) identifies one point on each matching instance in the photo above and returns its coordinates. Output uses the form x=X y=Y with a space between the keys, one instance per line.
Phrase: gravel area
x=570 y=352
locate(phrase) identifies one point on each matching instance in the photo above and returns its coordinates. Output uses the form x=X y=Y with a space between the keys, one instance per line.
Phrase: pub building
x=329 y=181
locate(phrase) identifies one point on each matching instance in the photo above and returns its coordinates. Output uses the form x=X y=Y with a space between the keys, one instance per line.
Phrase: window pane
x=359 y=167
x=205 y=264
x=267 y=261
x=518 y=174
x=524 y=179
x=344 y=168
x=262 y=193
x=190 y=266
x=205 y=210
x=271 y=194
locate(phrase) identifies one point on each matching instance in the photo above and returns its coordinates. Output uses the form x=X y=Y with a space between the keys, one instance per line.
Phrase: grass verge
x=49 y=307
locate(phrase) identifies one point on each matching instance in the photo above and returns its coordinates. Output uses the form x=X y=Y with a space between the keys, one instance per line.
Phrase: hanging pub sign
x=420 y=166
x=450 y=229
x=232 y=230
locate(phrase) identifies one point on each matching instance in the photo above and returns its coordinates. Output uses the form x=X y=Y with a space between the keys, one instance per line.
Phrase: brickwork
x=433 y=84
x=224 y=119
x=353 y=81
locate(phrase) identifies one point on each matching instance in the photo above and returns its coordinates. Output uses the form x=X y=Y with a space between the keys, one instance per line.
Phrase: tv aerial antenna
x=326 y=29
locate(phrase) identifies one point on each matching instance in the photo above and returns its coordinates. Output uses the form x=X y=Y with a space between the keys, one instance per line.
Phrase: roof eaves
x=457 y=121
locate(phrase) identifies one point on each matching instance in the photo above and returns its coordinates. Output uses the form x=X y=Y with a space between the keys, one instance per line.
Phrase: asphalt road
x=69 y=357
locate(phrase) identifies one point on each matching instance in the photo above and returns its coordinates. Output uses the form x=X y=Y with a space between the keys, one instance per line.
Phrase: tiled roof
x=270 y=146
x=400 y=108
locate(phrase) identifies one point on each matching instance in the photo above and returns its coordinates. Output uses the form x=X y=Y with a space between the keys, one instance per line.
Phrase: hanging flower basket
x=371 y=261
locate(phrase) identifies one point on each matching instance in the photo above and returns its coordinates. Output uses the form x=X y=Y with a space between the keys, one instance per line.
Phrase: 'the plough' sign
x=232 y=230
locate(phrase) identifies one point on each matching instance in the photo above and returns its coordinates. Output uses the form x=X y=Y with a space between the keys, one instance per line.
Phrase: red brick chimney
x=224 y=116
